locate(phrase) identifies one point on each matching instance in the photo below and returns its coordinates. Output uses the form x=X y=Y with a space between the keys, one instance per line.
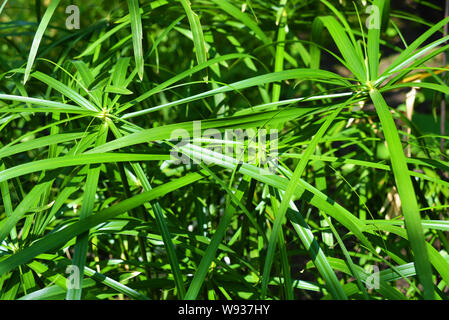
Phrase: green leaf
x=374 y=40
x=346 y=47
x=406 y=193
x=87 y=207
x=136 y=28
x=336 y=290
x=68 y=161
x=57 y=239
x=298 y=74
x=197 y=32
x=38 y=37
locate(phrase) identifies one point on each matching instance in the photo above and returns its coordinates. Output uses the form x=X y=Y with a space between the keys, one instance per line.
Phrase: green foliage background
x=86 y=123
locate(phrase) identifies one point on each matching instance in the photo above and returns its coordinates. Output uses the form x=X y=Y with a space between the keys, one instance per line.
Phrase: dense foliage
x=94 y=204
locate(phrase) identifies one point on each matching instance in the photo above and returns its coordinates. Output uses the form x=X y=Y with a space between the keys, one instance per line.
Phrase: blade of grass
x=136 y=28
x=280 y=49
x=81 y=246
x=303 y=74
x=337 y=292
x=160 y=219
x=406 y=193
x=197 y=32
x=59 y=238
x=209 y=254
x=68 y=161
x=3 y=6
x=38 y=37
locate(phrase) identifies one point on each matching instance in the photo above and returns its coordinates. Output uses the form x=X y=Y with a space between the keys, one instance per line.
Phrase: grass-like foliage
x=95 y=206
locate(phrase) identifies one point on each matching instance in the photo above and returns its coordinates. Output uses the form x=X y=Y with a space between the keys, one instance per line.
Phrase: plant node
x=370 y=86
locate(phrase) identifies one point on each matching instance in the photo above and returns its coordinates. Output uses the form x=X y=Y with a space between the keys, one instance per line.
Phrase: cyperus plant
x=93 y=205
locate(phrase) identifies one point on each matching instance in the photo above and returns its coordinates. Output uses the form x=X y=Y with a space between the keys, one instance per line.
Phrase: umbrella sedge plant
x=100 y=199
